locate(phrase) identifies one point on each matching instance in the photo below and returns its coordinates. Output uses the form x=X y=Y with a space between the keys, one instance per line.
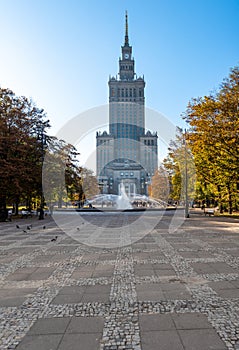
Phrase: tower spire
x=126 y=41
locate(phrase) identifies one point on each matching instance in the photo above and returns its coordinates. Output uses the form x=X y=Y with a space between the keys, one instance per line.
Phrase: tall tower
x=126 y=154
x=126 y=104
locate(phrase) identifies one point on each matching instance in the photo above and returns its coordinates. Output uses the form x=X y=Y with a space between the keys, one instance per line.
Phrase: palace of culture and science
x=126 y=153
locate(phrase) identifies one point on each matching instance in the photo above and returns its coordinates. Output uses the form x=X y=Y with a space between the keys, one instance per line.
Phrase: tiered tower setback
x=126 y=154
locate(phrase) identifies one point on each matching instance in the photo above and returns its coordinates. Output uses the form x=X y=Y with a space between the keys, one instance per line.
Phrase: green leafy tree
x=214 y=140
x=160 y=185
x=180 y=167
x=89 y=183
x=20 y=150
x=61 y=173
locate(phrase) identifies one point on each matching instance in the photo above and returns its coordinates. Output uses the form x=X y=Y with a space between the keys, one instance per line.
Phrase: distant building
x=126 y=154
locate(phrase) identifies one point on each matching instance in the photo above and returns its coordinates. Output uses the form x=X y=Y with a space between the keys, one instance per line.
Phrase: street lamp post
x=101 y=185
x=42 y=139
x=186 y=177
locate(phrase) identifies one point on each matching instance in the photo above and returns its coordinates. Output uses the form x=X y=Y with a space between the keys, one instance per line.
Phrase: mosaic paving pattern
x=179 y=290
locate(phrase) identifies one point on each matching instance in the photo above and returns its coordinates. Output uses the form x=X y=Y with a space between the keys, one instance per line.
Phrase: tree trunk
x=237 y=196
x=229 y=199
x=220 y=199
x=3 y=208
x=17 y=205
x=60 y=200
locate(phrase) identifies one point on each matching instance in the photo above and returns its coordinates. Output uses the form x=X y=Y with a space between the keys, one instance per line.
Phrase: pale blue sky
x=61 y=52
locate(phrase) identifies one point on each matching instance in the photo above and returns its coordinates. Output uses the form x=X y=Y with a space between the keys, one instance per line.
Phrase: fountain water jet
x=123 y=201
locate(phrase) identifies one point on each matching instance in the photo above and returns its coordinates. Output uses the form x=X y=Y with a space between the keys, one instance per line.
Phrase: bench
x=208 y=211
x=26 y=213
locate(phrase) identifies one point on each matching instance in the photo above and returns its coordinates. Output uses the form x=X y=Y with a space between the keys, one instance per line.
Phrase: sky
x=60 y=53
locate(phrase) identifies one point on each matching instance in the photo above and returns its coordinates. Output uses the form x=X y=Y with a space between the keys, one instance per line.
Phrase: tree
x=180 y=167
x=61 y=172
x=63 y=178
x=160 y=185
x=20 y=168
x=28 y=154
x=214 y=139
x=89 y=183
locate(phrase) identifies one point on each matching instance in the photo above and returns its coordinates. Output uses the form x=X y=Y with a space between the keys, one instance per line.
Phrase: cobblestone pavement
x=167 y=291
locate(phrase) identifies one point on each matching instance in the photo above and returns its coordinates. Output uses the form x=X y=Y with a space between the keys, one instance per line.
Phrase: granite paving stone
x=40 y=342
x=217 y=286
x=163 y=340
x=14 y=297
x=156 y=322
x=234 y=253
x=144 y=272
x=83 y=272
x=97 y=289
x=4 y=243
x=176 y=294
x=152 y=295
x=235 y=283
x=71 y=290
x=67 y=299
x=50 y=326
x=201 y=339
x=101 y=271
x=80 y=341
x=86 y=325
x=168 y=290
x=69 y=294
x=191 y=321
x=92 y=298
x=163 y=272
x=203 y=268
x=228 y=293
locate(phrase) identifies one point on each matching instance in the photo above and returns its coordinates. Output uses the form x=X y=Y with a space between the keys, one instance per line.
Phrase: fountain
x=113 y=202
x=123 y=202
x=134 y=202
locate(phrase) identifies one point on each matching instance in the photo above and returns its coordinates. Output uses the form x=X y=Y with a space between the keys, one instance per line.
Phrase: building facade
x=126 y=153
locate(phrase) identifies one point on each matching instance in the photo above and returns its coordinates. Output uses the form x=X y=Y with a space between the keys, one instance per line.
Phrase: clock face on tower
x=126 y=56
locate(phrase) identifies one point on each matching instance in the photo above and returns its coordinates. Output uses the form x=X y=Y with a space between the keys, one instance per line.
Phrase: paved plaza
x=169 y=290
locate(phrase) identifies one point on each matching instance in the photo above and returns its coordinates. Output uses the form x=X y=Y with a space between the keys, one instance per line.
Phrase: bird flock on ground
x=29 y=227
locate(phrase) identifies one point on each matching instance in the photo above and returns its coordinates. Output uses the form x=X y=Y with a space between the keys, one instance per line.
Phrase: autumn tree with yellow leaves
x=214 y=140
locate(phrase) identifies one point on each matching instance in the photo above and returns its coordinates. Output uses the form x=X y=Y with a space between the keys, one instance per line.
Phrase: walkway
x=168 y=291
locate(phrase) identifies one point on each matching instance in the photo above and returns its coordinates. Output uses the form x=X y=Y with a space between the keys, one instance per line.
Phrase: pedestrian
x=9 y=215
x=41 y=213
